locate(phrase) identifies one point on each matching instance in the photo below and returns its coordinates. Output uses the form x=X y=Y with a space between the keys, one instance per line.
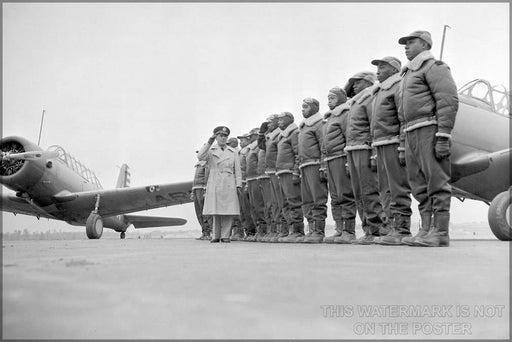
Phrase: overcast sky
x=145 y=84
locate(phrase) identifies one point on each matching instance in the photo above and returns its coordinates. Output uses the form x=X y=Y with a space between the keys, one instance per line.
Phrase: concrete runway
x=183 y=288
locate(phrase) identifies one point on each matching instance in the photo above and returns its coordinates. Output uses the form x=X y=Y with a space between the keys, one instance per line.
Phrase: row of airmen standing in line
x=376 y=144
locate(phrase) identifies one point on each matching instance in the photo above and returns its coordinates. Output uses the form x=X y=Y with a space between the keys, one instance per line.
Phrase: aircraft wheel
x=123 y=235
x=94 y=226
x=499 y=216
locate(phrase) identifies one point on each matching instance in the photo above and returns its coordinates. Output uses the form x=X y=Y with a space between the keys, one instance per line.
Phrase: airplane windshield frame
x=75 y=165
x=495 y=98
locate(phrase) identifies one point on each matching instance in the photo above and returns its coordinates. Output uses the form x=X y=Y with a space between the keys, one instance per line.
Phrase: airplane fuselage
x=478 y=133
x=41 y=182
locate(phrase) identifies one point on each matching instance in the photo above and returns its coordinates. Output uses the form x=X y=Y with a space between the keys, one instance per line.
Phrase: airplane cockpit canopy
x=482 y=94
x=75 y=165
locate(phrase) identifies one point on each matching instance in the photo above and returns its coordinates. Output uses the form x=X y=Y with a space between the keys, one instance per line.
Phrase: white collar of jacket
x=389 y=82
x=217 y=151
x=201 y=163
x=418 y=61
x=364 y=94
x=253 y=145
x=313 y=119
x=217 y=148
x=274 y=133
x=336 y=111
x=288 y=130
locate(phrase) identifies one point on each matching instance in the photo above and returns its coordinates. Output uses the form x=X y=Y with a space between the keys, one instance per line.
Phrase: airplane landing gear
x=94 y=223
x=499 y=216
x=94 y=226
x=123 y=235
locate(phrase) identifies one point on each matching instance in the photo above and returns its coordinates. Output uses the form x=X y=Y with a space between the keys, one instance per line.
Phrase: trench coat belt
x=229 y=171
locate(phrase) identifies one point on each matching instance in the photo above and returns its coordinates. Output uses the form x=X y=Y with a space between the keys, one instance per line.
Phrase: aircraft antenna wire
x=40 y=128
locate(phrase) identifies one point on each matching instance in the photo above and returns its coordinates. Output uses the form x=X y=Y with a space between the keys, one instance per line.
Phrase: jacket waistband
x=308 y=163
x=421 y=122
x=386 y=141
x=334 y=157
x=357 y=147
x=280 y=172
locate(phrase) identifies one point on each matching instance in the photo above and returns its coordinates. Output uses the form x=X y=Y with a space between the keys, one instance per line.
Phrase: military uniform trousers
x=314 y=193
x=246 y=217
x=343 y=203
x=222 y=226
x=394 y=176
x=292 y=198
x=429 y=178
x=266 y=192
x=383 y=187
x=364 y=184
x=256 y=201
x=198 y=206
x=280 y=207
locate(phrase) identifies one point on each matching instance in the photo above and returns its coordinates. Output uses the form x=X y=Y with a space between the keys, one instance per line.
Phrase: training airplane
x=480 y=159
x=54 y=185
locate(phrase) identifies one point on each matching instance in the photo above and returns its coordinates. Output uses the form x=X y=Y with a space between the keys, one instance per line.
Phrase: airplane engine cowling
x=19 y=175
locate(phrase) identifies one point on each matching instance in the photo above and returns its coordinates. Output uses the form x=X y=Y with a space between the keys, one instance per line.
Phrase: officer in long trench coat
x=225 y=177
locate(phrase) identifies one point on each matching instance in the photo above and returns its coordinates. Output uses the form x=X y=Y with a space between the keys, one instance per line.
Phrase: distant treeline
x=78 y=235
x=48 y=235
x=52 y=235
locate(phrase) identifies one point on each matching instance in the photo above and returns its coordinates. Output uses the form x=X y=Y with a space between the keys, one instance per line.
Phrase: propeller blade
x=30 y=155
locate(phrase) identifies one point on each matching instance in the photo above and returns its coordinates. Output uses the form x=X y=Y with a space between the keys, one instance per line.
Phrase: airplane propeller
x=30 y=155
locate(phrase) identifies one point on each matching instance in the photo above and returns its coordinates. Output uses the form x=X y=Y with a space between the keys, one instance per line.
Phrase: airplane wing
x=124 y=200
x=462 y=195
x=17 y=205
x=469 y=164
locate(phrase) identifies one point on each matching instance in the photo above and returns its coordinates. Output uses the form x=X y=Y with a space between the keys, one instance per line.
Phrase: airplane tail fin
x=123 y=180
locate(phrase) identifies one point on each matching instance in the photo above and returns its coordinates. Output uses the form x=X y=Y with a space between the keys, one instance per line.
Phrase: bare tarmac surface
x=183 y=288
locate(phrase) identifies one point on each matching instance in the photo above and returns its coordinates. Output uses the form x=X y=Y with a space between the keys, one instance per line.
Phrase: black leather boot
x=349 y=232
x=401 y=229
x=261 y=232
x=438 y=236
x=318 y=233
x=426 y=222
x=337 y=232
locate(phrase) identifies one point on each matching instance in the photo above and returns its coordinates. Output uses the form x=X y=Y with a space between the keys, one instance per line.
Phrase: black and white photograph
x=256 y=170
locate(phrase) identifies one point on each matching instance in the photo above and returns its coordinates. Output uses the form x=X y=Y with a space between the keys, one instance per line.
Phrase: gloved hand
x=192 y=196
x=323 y=175
x=296 y=179
x=347 y=170
x=373 y=163
x=442 y=148
x=401 y=158
x=212 y=139
x=263 y=127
